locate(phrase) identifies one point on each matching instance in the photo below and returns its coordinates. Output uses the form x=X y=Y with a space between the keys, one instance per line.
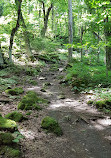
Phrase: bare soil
x=86 y=132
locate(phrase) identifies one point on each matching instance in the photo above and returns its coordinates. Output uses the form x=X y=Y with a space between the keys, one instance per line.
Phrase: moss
x=53 y=69
x=28 y=113
x=90 y=102
x=16 y=116
x=30 y=101
x=33 y=82
x=15 y=91
x=10 y=152
x=6 y=138
x=51 y=125
x=7 y=124
x=101 y=104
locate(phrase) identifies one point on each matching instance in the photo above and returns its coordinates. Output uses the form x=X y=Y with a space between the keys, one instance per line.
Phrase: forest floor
x=86 y=132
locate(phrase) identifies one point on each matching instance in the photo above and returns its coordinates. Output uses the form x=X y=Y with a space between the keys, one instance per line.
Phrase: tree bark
x=26 y=37
x=107 y=32
x=70 y=29
x=82 y=32
x=14 y=30
x=52 y=17
x=46 y=17
x=1 y=56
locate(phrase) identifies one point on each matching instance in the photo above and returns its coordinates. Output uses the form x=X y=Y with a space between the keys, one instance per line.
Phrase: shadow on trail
x=87 y=132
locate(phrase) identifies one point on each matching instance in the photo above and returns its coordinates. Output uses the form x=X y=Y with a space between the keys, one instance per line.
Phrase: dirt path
x=87 y=133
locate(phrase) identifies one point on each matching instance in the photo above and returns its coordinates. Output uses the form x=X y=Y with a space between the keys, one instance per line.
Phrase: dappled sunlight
x=101 y=123
x=108 y=137
x=62 y=50
x=33 y=88
x=105 y=122
x=28 y=133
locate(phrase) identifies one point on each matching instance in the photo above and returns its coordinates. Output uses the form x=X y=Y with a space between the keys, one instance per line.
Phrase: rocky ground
x=86 y=132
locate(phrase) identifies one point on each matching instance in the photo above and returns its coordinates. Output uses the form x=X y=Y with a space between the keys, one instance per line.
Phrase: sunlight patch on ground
x=28 y=134
x=101 y=124
x=104 y=122
x=98 y=127
x=108 y=137
x=35 y=88
x=72 y=104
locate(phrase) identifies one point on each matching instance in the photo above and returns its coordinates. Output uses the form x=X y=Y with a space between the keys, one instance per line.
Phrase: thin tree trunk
x=107 y=32
x=39 y=16
x=14 y=30
x=82 y=31
x=70 y=30
x=52 y=17
x=1 y=56
x=46 y=17
x=26 y=37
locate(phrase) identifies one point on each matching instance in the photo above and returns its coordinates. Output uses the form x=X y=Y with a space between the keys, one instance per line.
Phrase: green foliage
x=6 y=139
x=7 y=81
x=82 y=76
x=10 y=152
x=31 y=101
x=15 y=91
x=16 y=116
x=90 y=102
x=32 y=82
x=7 y=124
x=17 y=136
x=40 y=44
x=32 y=71
x=28 y=113
x=51 y=125
x=103 y=104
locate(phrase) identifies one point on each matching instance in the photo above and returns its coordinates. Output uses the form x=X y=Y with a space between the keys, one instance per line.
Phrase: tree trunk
x=26 y=37
x=1 y=56
x=14 y=30
x=107 y=32
x=52 y=17
x=70 y=29
x=46 y=17
x=82 y=31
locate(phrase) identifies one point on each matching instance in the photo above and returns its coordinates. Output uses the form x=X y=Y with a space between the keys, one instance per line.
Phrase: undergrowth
x=82 y=76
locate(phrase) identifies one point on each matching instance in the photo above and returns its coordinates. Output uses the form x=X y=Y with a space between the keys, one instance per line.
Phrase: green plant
x=82 y=76
x=17 y=136
x=6 y=139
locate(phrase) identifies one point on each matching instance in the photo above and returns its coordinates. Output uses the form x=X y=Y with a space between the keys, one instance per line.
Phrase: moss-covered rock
x=90 y=102
x=100 y=104
x=51 y=125
x=9 y=152
x=6 y=138
x=16 y=116
x=15 y=91
x=30 y=101
x=103 y=104
x=7 y=124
